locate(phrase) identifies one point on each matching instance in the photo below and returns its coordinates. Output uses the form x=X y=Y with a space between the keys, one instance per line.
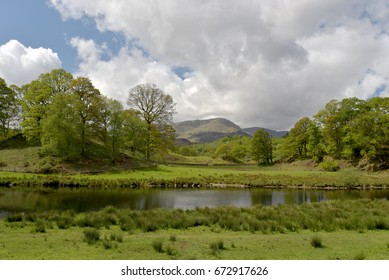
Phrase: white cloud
x=265 y=63
x=20 y=64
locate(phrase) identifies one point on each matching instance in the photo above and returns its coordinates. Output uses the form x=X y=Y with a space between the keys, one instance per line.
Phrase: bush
x=107 y=244
x=216 y=247
x=40 y=226
x=331 y=166
x=158 y=246
x=91 y=235
x=316 y=242
x=18 y=217
x=116 y=236
x=171 y=251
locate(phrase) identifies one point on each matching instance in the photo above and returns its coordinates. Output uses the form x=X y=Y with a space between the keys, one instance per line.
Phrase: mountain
x=204 y=131
x=273 y=133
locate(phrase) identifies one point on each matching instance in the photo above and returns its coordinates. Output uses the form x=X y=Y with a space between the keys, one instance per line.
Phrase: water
x=16 y=201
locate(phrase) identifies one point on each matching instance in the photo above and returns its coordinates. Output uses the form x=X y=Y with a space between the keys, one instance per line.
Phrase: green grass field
x=357 y=229
x=197 y=243
x=184 y=176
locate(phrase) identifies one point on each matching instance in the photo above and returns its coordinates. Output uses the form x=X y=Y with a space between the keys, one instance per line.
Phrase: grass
x=200 y=176
x=23 y=165
x=260 y=232
x=191 y=244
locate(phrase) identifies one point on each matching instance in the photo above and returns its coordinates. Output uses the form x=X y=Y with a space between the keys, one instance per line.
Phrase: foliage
x=37 y=96
x=261 y=147
x=158 y=245
x=8 y=109
x=329 y=166
x=299 y=137
x=91 y=235
x=352 y=129
x=157 y=109
x=316 y=242
x=61 y=128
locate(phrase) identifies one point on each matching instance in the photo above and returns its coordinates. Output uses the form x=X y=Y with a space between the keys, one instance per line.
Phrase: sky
x=264 y=63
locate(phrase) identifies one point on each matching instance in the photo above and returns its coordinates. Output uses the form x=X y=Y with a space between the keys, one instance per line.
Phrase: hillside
x=273 y=133
x=204 y=131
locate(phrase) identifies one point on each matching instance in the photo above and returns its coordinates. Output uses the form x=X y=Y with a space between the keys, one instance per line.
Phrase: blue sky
x=258 y=63
x=35 y=23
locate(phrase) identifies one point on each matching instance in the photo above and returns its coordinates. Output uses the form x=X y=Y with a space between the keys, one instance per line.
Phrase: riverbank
x=328 y=230
x=165 y=176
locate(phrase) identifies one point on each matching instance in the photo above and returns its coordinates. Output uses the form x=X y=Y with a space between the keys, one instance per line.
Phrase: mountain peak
x=203 y=131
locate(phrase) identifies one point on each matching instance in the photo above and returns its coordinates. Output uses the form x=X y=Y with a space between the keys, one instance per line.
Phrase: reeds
x=357 y=215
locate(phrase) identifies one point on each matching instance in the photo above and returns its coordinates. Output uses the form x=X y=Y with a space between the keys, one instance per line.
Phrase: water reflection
x=16 y=201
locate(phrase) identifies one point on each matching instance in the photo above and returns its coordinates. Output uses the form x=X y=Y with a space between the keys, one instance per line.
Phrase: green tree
x=135 y=132
x=370 y=132
x=336 y=119
x=8 y=108
x=261 y=147
x=299 y=136
x=89 y=110
x=316 y=142
x=61 y=128
x=112 y=127
x=157 y=109
x=37 y=96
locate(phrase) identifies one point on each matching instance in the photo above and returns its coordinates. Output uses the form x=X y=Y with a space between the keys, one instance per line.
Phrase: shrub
x=107 y=244
x=40 y=226
x=91 y=235
x=171 y=251
x=329 y=166
x=216 y=247
x=316 y=242
x=158 y=246
x=18 y=217
x=116 y=236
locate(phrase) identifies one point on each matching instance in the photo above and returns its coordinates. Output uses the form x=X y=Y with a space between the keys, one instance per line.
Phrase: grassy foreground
x=357 y=229
x=197 y=243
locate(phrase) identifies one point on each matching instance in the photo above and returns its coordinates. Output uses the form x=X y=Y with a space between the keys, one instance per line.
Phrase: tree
x=370 y=132
x=299 y=136
x=61 y=128
x=157 y=109
x=316 y=142
x=135 y=131
x=89 y=110
x=37 y=96
x=112 y=126
x=261 y=147
x=8 y=108
x=337 y=118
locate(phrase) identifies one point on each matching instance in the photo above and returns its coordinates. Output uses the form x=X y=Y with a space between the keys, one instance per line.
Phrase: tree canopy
x=157 y=109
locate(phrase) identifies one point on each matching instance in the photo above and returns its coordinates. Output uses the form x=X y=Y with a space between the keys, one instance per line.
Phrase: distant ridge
x=204 y=131
x=273 y=133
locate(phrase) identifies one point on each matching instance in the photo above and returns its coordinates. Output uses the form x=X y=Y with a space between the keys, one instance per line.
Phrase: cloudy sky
x=256 y=62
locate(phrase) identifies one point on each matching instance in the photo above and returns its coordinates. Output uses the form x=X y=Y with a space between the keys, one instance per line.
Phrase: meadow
x=355 y=229
x=184 y=176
